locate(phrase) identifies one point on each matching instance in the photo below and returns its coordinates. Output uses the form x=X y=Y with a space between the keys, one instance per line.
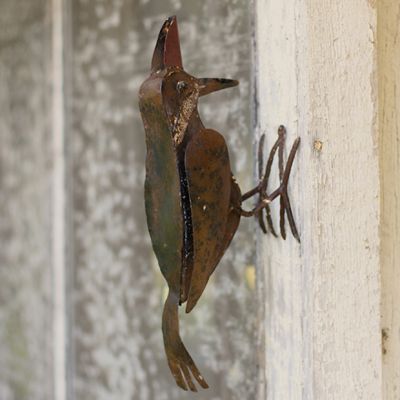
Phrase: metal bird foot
x=261 y=189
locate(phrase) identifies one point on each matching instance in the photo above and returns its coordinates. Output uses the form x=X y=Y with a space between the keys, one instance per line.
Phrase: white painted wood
x=317 y=74
x=59 y=202
x=389 y=121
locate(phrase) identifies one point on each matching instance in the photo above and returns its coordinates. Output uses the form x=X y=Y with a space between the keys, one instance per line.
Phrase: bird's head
x=179 y=90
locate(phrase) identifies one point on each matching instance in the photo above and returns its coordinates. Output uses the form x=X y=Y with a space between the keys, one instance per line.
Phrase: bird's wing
x=233 y=217
x=209 y=182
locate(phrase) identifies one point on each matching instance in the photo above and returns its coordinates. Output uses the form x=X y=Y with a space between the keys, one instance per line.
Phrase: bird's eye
x=181 y=86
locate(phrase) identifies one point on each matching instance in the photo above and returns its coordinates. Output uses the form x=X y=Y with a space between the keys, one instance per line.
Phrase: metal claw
x=261 y=188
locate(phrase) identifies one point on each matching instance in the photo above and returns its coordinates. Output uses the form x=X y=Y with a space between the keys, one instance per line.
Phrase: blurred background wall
x=111 y=289
x=25 y=201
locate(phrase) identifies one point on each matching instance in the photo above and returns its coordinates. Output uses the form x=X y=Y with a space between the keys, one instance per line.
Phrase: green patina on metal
x=162 y=194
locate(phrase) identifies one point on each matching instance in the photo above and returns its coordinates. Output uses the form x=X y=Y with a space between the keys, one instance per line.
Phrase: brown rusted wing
x=233 y=217
x=162 y=188
x=232 y=224
x=209 y=182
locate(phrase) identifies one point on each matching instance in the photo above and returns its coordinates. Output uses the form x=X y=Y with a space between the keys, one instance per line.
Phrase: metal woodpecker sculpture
x=193 y=203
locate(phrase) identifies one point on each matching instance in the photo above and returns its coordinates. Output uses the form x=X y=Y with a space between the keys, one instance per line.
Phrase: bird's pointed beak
x=209 y=85
x=168 y=50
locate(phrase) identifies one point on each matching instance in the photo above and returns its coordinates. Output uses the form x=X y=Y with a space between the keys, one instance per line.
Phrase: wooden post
x=389 y=129
x=317 y=74
x=59 y=202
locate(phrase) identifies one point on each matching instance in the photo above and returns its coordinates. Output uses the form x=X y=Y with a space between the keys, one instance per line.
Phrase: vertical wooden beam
x=389 y=124
x=317 y=74
x=59 y=201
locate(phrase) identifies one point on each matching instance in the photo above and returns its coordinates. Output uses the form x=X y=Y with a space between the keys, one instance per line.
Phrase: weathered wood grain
x=317 y=75
x=389 y=129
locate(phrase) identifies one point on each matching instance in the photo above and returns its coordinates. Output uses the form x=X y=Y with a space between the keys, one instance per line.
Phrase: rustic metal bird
x=193 y=203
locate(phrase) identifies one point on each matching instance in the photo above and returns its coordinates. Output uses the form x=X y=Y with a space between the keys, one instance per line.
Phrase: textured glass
x=118 y=291
x=25 y=202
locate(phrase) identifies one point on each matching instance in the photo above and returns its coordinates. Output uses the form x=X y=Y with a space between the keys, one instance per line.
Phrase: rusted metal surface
x=193 y=203
x=209 y=181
